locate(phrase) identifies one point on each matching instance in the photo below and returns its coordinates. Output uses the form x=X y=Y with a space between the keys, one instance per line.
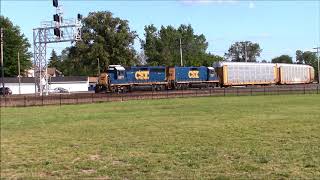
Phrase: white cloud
x=252 y=5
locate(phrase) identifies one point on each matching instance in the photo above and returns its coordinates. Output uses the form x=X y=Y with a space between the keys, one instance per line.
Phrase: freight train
x=221 y=74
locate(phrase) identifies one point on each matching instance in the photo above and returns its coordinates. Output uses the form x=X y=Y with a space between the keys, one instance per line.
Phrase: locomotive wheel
x=97 y=89
x=100 y=89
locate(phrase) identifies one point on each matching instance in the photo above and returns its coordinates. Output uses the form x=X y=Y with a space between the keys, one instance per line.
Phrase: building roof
x=52 y=79
x=93 y=79
x=68 y=78
x=53 y=71
x=16 y=80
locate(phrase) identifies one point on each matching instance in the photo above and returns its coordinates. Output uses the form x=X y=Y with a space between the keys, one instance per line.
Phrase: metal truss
x=71 y=32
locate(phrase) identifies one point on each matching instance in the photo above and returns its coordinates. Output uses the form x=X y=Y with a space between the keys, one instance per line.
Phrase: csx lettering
x=193 y=74
x=142 y=75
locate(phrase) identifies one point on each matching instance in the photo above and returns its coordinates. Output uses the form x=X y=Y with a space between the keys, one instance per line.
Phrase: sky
x=280 y=27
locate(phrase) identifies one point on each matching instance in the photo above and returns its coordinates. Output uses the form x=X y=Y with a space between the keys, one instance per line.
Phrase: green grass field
x=262 y=137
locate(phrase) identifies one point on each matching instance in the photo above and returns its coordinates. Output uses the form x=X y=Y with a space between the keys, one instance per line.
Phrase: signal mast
x=56 y=31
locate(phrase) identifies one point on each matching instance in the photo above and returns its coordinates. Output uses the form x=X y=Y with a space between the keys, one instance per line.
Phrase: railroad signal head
x=79 y=16
x=55 y=3
x=56 y=17
x=57 y=32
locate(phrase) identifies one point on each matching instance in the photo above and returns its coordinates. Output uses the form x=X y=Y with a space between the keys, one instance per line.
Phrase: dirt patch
x=94 y=157
x=75 y=160
x=103 y=178
x=88 y=171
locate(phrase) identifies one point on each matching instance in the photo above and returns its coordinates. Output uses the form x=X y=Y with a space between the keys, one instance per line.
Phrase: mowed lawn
x=261 y=137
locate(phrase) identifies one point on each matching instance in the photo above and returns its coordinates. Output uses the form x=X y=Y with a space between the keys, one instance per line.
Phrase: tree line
x=109 y=40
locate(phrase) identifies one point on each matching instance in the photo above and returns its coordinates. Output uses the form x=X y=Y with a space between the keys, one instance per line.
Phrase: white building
x=27 y=84
x=71 y=83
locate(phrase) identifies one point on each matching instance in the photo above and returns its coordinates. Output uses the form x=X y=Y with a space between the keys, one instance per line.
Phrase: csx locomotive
x=124 y=79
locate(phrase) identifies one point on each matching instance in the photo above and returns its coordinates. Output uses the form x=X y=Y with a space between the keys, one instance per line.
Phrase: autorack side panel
x=294 y=73
x=191 y=74
x=235 y=73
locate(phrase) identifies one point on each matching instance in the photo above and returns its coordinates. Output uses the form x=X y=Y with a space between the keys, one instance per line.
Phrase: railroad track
x=78 y=98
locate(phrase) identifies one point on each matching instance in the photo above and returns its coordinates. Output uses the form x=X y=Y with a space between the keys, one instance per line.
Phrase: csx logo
x=193 y=74
x=142 y=75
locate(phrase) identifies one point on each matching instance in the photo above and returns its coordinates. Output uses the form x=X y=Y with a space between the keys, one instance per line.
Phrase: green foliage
x=257 y=137
x=14 y=42
x=282 y=59
x=309 y=58
x=209 y=59
x=299 y=57
x=162 y=47
x=105 y=37
x=239 y=51
x=54 y=60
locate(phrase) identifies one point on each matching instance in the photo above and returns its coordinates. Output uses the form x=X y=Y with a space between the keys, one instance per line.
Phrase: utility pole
x=98 y=66
x=2 y=70
x=19 y=76
x=317 y=48
x=181 y=62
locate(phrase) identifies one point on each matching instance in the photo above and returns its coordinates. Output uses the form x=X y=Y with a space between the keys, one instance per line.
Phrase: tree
x=152 y=46
x=210 y=59
x=162 y=47
x=54 y=60
x=14 y=42
x=105 y=37
x=309 y=58
x=282 y=59
x=299 y=57
x=244 y=51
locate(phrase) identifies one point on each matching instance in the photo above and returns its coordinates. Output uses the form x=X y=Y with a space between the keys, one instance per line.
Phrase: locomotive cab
x=114 y=73
x=118 y=71
x=211 y=73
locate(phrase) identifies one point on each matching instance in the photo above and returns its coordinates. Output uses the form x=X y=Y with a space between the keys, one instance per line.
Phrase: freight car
x=239 y=73
x=295 y=73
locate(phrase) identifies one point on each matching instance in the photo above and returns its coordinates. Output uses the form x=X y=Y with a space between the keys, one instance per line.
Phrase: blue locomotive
x=123 y=79
x=186 y=77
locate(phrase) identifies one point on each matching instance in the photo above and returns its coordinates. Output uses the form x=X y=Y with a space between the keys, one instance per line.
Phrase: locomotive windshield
x=212 y=72
x=120 y=74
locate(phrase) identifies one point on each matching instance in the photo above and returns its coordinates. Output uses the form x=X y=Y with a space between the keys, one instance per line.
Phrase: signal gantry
x=56 y=31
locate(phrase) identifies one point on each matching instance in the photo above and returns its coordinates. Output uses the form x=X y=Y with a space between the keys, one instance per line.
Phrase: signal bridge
x=56 y=31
